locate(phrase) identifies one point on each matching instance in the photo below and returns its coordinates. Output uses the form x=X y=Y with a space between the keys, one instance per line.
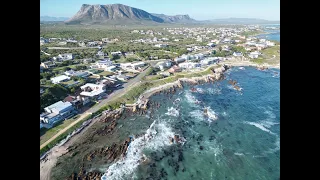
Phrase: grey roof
x=58 y=106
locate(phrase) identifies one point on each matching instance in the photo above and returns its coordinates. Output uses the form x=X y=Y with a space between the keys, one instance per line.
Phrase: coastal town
x=85 y=80
x=90 y=80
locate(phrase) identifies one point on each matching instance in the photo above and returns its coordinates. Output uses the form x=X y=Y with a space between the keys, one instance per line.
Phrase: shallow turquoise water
x=240 y=138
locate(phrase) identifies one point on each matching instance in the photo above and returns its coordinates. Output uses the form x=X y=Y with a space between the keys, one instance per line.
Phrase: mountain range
x=124 y=15
x=50 y=18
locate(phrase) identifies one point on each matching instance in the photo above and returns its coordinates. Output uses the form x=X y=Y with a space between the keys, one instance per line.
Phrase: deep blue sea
x=239 y=138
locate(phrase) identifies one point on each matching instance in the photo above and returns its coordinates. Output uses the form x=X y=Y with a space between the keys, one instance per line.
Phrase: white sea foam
x=277 y=144
x=270 y=114
x=214 y=90
x=172 y=112
x=155 y=138
x=238 y=154
x=197 y=114
x=268 y=124
x=260 y=126
x=200 y=90
x=211 y=114
x=191 y=99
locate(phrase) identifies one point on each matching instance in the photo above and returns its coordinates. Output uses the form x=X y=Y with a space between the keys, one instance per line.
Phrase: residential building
x=237 y=54
x=161 y=45
x=58 y=79
x=70 y=72
x=82 y=74
x=138 y=65
x=92 y=90
x=254 y=55
x=211 y=45
x=82 y=44
x=57 y=112
x=135 y=65
x=269 y=43
x=179 y=60
x=48 y=64
x=209 y=60
x=64 y=57
x=116 y=53
x=122 y=77
x=163 y=65
x=100 y=53
x=174 y=69
x=189 y=65
x=199 y=56
x=102 y=64
x=111 y=68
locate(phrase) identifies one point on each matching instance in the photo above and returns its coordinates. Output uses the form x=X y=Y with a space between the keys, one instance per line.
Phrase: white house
x=122 y=77
x=160 y=45
x=70 y=72
x=269 y=43
x=189 y=65
x=56 y=112
x=102 y=64
x=132 y=65
x=254 y=55
x=64 y=57
x=116 y=53
x=211 y=45
x=92 y=90
x=163 y=65
x=209 y=61
x=199 y=56
x=58 y=79
x=100 y=53
x=110 y=68
x=137 y=65
x=237 y=54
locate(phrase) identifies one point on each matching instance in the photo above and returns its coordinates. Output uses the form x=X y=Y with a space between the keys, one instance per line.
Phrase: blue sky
x=197 y=9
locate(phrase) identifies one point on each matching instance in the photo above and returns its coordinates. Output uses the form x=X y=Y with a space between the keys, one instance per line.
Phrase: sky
x=196 y=9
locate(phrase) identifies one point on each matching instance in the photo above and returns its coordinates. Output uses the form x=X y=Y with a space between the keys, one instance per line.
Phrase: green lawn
x=106 y=73
x=61 y=68
x=68 y=82
x=47 y=134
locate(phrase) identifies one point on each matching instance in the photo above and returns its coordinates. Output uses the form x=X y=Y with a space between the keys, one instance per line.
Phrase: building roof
x=92 y=93
x=60 y=78
x=58 y=106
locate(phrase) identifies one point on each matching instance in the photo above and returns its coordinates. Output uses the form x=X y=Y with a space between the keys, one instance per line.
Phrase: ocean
x=238 y=137
x=273 y=34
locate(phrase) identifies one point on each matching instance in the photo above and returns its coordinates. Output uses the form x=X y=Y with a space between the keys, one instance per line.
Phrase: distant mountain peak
x=120 y=13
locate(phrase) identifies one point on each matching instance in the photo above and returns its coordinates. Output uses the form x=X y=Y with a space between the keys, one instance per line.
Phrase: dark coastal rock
x=201 y=147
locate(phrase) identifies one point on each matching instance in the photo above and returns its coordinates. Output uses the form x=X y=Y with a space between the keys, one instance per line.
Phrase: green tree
x=220 y=48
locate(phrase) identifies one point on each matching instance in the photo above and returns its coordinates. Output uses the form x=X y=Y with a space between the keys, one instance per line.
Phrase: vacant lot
x=47 y=134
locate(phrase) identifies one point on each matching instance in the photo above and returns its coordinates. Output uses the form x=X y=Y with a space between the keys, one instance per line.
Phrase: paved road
x=73 y=47
x=133 y=82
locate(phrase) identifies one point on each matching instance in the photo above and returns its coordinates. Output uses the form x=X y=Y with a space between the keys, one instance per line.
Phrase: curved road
x=119 y=92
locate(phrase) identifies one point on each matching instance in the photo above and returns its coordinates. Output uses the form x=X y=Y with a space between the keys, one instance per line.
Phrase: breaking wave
x=211 y=114
x=155 y=138
x=172 y=112
x=260 y=126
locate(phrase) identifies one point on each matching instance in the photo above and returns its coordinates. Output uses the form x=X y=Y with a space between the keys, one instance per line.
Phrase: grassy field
x=269 y=55
x=47 y=134
x=106 y=73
